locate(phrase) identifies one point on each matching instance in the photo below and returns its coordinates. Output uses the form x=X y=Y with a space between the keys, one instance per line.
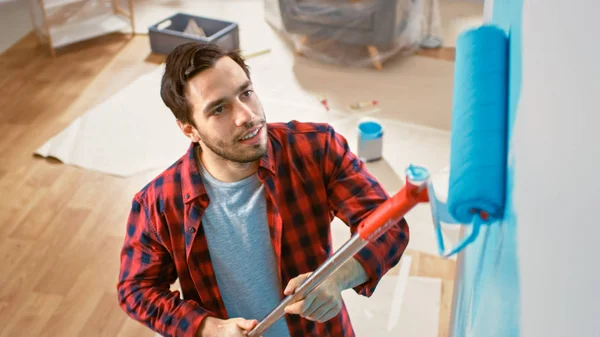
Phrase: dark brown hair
x=183 y=63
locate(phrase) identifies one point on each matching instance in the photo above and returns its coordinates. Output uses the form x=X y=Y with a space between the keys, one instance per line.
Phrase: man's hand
x=234 y=327
x=324 y=302
x=320 y=305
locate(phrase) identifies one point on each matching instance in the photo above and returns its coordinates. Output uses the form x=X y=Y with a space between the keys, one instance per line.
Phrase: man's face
x=228 y=115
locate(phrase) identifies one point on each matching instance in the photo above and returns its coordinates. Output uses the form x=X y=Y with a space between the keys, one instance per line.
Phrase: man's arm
x=233 y=327
x=353 y=195
x=350 y=275
x=146 y=273
x=325 y=301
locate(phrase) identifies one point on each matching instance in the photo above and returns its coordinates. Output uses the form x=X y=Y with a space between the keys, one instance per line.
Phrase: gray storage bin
x=222 y=33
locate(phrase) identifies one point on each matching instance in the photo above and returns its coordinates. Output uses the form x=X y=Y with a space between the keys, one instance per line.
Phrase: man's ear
x=189 y=131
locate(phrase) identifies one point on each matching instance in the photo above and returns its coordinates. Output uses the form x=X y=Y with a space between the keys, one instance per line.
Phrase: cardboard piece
x=193 y=29
x=397 y=308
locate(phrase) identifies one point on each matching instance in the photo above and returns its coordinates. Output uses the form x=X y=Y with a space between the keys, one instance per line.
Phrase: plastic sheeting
x=356 y=32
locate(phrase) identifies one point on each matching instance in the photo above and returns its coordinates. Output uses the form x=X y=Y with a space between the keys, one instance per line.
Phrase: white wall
x=557 y=165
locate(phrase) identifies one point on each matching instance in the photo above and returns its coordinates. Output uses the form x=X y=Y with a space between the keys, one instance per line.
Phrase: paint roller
x=478 y=145
x=478 y=154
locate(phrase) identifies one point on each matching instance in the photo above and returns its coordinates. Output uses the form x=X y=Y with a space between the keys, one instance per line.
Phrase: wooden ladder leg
x=375 y=57
x=132 y=17
x=46 y=24
x=117 y=10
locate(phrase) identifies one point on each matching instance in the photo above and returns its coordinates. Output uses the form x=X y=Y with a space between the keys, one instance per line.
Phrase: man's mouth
x=252 y=133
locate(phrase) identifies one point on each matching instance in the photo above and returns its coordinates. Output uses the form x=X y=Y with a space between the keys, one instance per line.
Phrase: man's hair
x=183 y=63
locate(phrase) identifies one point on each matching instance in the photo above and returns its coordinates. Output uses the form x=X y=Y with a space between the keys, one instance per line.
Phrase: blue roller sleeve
x=478 y=145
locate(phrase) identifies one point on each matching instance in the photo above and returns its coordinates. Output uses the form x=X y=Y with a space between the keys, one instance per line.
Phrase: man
x=244 y=216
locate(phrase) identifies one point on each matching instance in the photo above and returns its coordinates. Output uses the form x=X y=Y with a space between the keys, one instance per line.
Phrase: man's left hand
x=320 y=305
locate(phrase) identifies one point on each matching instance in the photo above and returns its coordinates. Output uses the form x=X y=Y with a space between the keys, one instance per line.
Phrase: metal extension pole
x=351 y=247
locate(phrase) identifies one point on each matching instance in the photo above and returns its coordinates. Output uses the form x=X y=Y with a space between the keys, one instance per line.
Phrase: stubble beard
x=230 y=151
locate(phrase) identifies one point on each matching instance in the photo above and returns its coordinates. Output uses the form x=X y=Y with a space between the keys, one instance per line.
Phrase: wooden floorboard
x=62 y=227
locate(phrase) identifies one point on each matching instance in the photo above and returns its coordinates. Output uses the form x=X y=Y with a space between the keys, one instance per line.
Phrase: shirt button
x=192 y=230
x=187 y=196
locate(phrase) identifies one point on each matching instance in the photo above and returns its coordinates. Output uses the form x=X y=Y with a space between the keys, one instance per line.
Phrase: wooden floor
x=61 y=228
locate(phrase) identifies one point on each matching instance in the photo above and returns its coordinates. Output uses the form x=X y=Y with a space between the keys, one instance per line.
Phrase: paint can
x=370 y=140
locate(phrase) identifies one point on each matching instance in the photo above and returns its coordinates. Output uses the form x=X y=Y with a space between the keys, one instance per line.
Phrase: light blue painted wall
x=487 y=294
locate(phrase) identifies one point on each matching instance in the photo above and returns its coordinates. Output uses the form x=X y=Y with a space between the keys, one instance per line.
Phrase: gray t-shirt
x=237 y=231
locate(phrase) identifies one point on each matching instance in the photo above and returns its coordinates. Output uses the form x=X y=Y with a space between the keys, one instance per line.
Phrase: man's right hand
x=234 y=327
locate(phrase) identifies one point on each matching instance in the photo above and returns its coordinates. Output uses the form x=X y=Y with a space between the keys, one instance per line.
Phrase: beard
x=232 y=151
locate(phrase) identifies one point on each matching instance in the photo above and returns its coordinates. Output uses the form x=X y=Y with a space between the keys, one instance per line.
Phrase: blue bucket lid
x=370 y=129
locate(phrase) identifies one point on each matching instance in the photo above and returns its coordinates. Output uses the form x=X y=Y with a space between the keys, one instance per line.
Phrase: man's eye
x=219 y=110
x=247 y=93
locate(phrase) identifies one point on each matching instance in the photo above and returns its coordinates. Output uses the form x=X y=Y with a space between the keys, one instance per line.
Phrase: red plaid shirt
x=310 y=176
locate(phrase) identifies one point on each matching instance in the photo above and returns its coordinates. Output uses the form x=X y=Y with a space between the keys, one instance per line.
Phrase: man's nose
x=243 y=114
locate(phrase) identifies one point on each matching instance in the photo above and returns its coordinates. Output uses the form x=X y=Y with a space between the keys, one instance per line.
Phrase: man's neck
x=222 y=169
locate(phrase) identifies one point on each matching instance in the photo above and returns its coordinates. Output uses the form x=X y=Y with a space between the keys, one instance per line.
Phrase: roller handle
x=392 y=209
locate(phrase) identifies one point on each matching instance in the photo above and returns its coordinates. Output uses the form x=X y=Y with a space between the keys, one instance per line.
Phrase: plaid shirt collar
x=191 y=178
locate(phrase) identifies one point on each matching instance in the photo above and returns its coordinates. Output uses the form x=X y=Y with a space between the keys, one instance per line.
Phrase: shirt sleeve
x=353 y=194
x=146 y=273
